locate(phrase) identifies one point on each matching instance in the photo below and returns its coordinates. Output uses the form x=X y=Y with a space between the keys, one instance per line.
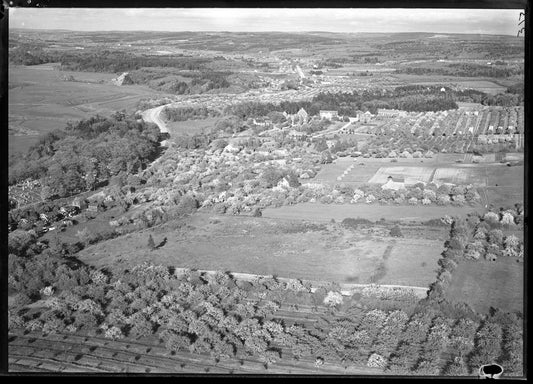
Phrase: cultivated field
x=41 y=100
x=460 y=175
x=285 y=248
x=484 y=284
x=412 y=175
x=77 y=353
x=359 y=174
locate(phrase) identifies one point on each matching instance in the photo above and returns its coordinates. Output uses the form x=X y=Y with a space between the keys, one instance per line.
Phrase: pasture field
x=191 y=127
x=484 y=284
x=412 y=263
x=483 y=85
x=41 y=100
x=374 y=212
x=286 y=248
x=505 y=185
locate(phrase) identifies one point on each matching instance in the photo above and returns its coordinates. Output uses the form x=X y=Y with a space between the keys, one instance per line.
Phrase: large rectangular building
x=328 y=114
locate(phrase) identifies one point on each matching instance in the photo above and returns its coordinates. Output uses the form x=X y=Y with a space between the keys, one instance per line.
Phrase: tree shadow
x=161 y=243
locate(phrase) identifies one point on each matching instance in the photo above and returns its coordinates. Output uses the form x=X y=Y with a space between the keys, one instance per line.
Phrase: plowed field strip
x=117 y=358
x=32 y=364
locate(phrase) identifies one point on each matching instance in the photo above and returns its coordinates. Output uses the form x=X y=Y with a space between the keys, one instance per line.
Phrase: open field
x=292 y=249
x=191 y=127
x=40 y=100
x=478 y=84
x=459 y=175
x=338 y=212
x=412 y=262
x=505 y=185
x=483 y=284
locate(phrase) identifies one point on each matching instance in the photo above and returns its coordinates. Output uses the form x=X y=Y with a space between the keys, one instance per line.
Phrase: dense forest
x=408 y=98
x=101 y=60
x=188 y=113
x=81 y=155
x=464 y=70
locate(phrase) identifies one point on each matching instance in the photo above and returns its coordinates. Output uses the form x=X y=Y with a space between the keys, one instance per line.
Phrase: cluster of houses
x=65 y=215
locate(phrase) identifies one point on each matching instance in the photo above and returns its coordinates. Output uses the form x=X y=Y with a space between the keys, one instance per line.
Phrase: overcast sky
x=485 y=21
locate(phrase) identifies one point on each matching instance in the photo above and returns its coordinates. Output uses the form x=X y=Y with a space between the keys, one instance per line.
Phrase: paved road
x=330 y=132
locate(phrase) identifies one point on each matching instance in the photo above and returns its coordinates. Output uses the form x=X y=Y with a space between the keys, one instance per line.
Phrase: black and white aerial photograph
x=266 y=191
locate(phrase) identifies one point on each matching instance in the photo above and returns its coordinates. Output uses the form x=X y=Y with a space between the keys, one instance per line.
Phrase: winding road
x=153 y=115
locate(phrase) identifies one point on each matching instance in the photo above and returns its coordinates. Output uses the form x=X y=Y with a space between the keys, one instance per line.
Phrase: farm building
x=364 y=117
x=328 y=114
x=303 y=116
x=69 y=211
x=383 y=112
x=395 y=183
x=93 y=208
x=262 y=122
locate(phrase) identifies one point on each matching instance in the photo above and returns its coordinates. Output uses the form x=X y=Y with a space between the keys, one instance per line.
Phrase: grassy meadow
x=41 y=100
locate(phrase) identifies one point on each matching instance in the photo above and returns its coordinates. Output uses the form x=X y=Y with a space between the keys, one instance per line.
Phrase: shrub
x=507 y=218
x=472 y=255
x=491 y=217
x=491 y=257
x=14 y=321
x=370 y=199
x=426 y=201
x=494 y=248
x=443 y=199
x=376 y=361
x=187 y=205
x=511 y=241
x=455 y=244
x=396 y=231
x=495 y=236
x=481 y=234
x=458 y=200
x=429 y=194
x=113 y=333
x=333 y=299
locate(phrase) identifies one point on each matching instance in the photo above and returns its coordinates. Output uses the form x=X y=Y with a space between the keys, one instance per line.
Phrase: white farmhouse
x=394 y=183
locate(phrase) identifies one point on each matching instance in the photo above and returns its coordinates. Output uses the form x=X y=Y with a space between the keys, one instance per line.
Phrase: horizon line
x=273 y=31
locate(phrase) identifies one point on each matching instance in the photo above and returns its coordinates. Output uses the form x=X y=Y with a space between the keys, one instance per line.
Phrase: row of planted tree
x=216 y=314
